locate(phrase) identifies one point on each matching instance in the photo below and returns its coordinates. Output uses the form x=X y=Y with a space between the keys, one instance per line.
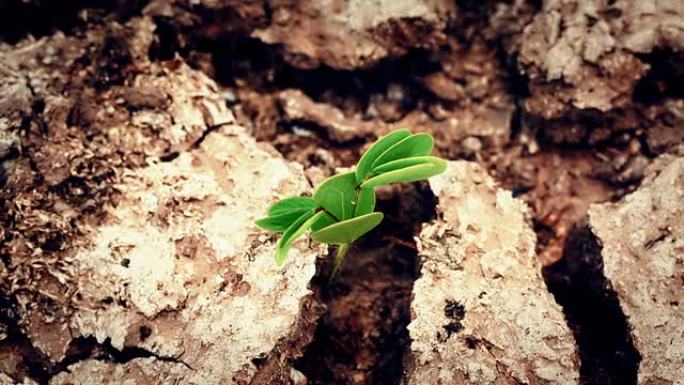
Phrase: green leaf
x=407 y=162
x=365 y=202
x=323 y=222
x=407 y=174
x=380 y=146
x=348 y=231
x=280 y=222
x=415 y=145
x=291 y=204
x=337 y=194
x=293 y=232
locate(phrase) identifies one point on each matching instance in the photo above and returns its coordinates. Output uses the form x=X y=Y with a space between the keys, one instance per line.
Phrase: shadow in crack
x=591 y=307
x=362 y=338
x=19 y=18
x=30 y=362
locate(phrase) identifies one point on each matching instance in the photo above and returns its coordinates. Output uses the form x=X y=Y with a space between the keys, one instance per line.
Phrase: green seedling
x=342 y=207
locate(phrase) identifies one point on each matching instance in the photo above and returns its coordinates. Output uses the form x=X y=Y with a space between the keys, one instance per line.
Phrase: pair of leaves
x=405 y=170
x=344 y=214
x=339 y=213
x=395 y=145
x=337 y=195
x=343 y=198
x=349 y=210
x=398 y=157
x=341 y=209
x=299 y=227
x=338 y=233
x=292 y=217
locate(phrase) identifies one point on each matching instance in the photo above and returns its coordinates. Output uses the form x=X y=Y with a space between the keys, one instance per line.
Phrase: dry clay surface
x=482 y=313
x=181 y=248
x=643 y=250
x=585 y=53
x=345 y=34
x=130 y=219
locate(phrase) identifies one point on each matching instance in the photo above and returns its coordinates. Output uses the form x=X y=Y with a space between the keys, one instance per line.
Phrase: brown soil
x=362 y=337
x=558 y=165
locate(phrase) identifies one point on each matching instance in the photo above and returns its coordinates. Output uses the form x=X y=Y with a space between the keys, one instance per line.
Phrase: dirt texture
x=342 y=34
x=482 y=314
x=643 y=250
x=7 y=380
x=193 y=260
x=345 y=35
x=129 y=201
x=583 y=54
x=139 y=140
x=454 y=90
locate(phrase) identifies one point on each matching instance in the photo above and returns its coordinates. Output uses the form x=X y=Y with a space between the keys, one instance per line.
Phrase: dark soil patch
x=607 y=352
x=665 y=78
x=241 y=62
x=19 y=18
x=362 y=338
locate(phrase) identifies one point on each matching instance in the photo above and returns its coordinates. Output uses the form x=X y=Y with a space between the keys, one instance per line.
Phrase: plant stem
x=339 y=256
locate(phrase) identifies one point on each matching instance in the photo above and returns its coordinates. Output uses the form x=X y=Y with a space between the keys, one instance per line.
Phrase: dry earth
x=140 y=139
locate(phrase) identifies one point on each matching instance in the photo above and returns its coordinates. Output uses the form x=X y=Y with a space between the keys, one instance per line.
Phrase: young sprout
x=341 y=209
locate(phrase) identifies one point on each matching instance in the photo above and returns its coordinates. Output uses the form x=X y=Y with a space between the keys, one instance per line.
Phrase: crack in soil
x=34 y=364
x=106 y=352
x=664 y=78
x=240 y=61
x=347 y=339
x=274 y=367
x=362 y=338
x=607 y=352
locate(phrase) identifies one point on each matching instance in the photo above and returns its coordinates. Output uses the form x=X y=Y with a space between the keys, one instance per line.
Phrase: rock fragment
x=355 y=34
x=482 y=314
x=345 y=35
x=643 y=252
x=148 y=371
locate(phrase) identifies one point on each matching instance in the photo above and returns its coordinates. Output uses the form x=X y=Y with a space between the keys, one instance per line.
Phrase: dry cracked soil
x=139 y=141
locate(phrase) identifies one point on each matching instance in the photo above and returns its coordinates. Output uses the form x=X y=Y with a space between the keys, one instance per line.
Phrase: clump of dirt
x=593 y=312
x=480 y=252
x=362 y=338
x=642 y=236
x=85 y=119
